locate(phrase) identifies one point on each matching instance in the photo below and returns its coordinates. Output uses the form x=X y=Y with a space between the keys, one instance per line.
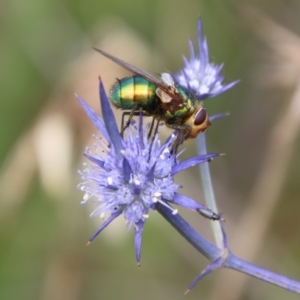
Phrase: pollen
x=110 y=180
x=86 y=197
x=157 y=194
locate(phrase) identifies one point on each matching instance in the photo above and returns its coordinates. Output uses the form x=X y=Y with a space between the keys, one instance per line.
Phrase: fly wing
x=141 y=73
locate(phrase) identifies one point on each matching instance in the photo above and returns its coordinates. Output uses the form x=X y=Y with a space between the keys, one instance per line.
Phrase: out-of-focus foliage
x=46 y=55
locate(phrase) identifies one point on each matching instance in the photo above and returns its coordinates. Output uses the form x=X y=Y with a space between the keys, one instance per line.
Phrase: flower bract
x=199 y=76
x=129 y=175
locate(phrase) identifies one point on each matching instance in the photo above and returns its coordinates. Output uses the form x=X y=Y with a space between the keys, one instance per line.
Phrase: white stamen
x=102 y=215
x=175 y=212
x=166 y=151
x=109 y=180
x=122 y=152
x=145 y=216
x=157 y=194
x=86 y=196
x=154 y=199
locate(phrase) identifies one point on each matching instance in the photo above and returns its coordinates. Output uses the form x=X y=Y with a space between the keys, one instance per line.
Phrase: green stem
x=208 y=189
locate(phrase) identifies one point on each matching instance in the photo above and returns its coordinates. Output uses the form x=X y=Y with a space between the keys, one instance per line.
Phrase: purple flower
x=199 y=76
x=128 y=176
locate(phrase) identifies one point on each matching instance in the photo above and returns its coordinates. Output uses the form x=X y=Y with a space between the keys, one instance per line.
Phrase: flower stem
x=205 y=247
x=231 y=261
x=238 y=264
x=208 y=189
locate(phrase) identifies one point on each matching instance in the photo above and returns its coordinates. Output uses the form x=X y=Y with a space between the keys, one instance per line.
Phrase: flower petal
x=192 y=51
x=187 y=202
x=193 y=161
x=225 y=88
x=95 y=160
x=213 y=118
x=216 y=264
x=110 y=121
x=127 y=171
x=202 y=78
x=97 y=121
x=202 y=46
x=139 y=226
x=104 y=224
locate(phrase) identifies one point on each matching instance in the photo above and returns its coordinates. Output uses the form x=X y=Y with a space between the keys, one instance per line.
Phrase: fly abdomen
x=134 y=92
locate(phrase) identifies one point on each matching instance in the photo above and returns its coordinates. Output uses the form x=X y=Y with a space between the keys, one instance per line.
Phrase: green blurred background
x=46 y=55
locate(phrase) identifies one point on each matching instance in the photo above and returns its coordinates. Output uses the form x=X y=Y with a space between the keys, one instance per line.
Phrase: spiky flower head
x=199 y=76
x=128 y=176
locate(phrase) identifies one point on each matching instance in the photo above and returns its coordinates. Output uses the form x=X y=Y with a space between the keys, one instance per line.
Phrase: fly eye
x=200 y=116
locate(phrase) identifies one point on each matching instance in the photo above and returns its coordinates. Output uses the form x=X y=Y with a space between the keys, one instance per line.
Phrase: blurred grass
x=45 y=55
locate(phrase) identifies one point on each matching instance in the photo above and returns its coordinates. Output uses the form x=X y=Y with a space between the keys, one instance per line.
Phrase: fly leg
x=123 y=125
x=130 y=114
x=183 y=133
x=152 y=126
x=154 y=133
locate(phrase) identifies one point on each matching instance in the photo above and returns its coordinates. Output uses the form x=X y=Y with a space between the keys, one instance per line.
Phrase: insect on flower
x=163 y=99
x=175 y=99
x=131 y=175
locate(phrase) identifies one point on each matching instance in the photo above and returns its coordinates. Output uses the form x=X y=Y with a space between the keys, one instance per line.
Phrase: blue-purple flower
x=128 y=176
x=199 y=76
